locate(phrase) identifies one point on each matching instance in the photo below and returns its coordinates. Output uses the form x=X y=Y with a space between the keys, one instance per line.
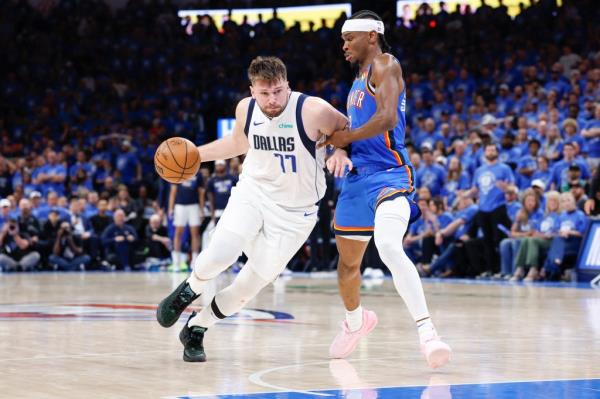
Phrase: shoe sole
x=349 y=352
x=187 y=358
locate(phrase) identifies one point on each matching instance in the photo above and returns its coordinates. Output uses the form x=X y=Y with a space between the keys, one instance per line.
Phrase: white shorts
x=184 y=215
x=274 y=234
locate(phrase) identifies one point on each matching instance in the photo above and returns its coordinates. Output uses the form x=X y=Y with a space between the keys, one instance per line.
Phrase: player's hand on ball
x=337 y=163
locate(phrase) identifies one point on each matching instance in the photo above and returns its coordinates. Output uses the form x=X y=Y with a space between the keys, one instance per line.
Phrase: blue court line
x=468 y=281
x=552 y=284
x=563 y=389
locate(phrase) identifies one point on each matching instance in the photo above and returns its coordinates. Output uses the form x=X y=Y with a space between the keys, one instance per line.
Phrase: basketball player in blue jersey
x=376 y=199
x=273 y=207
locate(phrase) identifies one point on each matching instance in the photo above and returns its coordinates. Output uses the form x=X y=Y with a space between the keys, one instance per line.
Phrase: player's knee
x=388 y=246
x=210 y=262
x=348 y=267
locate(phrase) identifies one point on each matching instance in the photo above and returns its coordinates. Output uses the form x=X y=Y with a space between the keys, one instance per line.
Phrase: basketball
x=176 y=160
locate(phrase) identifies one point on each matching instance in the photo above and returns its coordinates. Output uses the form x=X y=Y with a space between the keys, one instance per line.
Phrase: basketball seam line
x=173 y=155
x=157 y=160
x=185 y=161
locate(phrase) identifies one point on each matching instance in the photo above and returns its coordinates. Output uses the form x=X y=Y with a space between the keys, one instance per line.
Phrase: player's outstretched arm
x=230 y=146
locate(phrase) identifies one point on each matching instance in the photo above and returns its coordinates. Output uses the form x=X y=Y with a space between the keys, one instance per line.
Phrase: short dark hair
x=270 y=69
x=368 y=14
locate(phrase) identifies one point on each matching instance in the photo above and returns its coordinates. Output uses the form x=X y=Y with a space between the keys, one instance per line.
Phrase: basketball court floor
x=94 y=335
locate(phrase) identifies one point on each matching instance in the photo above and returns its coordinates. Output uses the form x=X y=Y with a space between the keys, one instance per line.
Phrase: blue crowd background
x=88 y=92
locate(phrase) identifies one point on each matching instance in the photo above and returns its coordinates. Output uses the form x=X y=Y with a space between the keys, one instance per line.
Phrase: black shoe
x=170 y=308
x=191 y=338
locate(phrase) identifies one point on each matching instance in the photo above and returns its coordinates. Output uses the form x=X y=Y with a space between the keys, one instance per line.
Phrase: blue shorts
x=362 y=193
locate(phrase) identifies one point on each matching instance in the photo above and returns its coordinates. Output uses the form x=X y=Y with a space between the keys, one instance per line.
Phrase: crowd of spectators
x=88 y=92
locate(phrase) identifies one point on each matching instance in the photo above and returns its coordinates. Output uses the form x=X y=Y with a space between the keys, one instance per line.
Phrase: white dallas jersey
x=283 y=161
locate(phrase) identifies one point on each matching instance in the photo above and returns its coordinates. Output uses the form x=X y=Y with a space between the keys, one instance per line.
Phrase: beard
x=273 y=113
x=491 y=158
x=276 y=112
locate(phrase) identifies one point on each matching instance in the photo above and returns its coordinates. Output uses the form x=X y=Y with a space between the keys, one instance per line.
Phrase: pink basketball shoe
x=345 y=342
x=436 y=352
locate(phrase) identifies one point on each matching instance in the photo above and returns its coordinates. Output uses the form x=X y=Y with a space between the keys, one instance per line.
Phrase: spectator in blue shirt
x=128 y=165
x=52 y=176
x=559 y=173
x=591 y=133
x=573 y=223
x=552 y=144
x=542 y=173
x=490 y=181
x=556 y=83
x=429 y=136
x=457 y=181
x=43 y=210
x=82 y=164
x=91 y=205
x=513 y=205
x=430 y=174
x=454 y=234
x=489 y=125
x=419 y=231
x=509 y=154
x=527 y=165
x=459 y=151
x=571 y=135
x=504 y=99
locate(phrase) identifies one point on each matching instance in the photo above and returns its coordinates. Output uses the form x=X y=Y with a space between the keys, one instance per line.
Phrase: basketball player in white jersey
x=272 y=209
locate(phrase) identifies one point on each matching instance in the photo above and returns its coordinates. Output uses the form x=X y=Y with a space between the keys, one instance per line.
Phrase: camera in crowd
x=13 y=227
x=65 y=227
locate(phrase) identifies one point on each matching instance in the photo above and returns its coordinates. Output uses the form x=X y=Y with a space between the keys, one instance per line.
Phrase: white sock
x=206 y=318
x=196 y=284
x=354 y=318
x=425 y=327
x=175 y=258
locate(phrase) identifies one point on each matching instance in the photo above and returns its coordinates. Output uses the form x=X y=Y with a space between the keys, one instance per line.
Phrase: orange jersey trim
x=391 y=194
x=410 y=178
x=388 y=144
x=336 y=227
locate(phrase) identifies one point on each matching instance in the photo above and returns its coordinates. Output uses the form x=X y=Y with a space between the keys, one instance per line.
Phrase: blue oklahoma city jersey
x=387 y=149
x=382 y=171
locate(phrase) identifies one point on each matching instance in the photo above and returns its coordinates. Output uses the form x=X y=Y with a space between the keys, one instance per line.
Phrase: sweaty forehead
x=350 y=35
x=266 y=85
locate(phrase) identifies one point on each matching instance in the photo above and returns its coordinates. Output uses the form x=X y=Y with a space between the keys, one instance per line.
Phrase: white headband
x=362 y=25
